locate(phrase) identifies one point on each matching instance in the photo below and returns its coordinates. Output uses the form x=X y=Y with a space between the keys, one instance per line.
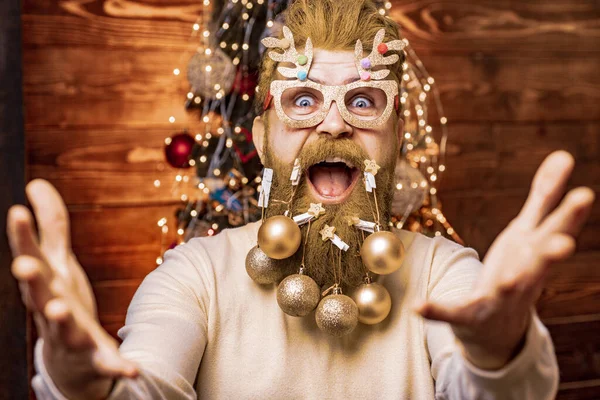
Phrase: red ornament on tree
x=179 y=150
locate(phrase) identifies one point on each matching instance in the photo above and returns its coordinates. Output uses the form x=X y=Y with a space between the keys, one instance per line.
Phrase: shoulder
x=436 y=260
x=434 y=250
x=211 y=250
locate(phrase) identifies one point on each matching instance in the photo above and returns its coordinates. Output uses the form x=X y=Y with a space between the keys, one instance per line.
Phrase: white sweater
x=199 y=327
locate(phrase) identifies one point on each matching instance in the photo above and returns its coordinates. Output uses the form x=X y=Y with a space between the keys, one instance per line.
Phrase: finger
x=34 y=274
x=52 y=217
x=547 y=188
x=572 y=213
x=558 y=247
x=21 y=233
x=65 y=328
x=453 y=315
x=108 y=362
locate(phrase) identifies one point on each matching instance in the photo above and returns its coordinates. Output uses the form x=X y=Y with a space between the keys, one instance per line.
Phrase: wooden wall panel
x=14 y=365
x=517 y=79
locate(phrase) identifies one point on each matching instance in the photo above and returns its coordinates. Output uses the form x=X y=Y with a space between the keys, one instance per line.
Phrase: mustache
x=324 y=148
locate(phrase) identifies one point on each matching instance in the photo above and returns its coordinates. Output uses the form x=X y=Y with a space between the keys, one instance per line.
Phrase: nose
x=334 y=124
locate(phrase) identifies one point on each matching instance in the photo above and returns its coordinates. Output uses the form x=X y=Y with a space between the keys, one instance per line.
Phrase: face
x=332 y=155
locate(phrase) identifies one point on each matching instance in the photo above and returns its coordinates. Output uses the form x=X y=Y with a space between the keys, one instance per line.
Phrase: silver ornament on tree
x=210 y=72
x=337 y=314
x=373 y=301
x=411 y=189
x=262 y=269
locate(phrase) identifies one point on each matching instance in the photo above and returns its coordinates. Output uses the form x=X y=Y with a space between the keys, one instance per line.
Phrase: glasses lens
x=366 y=103
x=301 y=103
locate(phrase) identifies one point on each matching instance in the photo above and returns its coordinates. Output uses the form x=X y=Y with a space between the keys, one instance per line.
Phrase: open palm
x=56 y=290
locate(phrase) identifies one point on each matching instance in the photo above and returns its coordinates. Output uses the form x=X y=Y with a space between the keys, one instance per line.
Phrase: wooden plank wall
x=517 y=79
x=13 y=362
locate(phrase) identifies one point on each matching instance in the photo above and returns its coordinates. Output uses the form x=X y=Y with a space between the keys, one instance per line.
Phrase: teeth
x=339 y=159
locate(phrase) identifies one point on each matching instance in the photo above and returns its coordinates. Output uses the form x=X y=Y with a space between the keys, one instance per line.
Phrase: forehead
x=333 y=67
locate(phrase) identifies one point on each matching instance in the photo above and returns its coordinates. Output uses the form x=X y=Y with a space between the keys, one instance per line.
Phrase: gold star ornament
x=316 y=210
x=327 y=232
x=371 y=167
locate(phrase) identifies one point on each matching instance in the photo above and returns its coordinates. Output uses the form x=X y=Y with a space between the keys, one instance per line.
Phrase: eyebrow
x=349 y=80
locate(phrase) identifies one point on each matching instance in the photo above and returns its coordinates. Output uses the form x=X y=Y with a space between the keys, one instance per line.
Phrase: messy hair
x=331 y=25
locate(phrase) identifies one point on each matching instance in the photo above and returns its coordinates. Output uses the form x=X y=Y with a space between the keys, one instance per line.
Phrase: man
x=199 y=327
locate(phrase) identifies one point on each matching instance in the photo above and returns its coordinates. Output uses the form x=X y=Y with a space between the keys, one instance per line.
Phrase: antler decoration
x=376 y=58
x=302 y=61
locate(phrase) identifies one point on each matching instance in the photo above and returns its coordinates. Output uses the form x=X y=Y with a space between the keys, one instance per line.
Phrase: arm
x=164 y=334
x=531 y=374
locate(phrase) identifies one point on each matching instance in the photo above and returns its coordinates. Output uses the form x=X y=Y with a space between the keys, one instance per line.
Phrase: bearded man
x=199 y=327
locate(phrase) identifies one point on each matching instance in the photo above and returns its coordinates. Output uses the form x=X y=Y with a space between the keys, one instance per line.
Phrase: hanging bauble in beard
x=373 y=301
x=382 y=252
x=337 y=314
x=279 y=237
x=298 y=295
x=262 y=269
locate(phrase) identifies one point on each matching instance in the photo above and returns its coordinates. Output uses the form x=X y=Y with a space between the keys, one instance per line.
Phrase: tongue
x=330 y=181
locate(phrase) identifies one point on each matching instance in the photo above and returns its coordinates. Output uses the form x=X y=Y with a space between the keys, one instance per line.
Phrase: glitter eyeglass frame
x=334 y=93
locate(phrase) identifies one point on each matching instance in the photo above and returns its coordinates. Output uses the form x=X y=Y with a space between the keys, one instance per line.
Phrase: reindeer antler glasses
x=301 y=103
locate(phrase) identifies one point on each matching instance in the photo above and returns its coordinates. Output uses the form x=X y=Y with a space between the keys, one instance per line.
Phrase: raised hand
x=492 y=322
x=81 y=358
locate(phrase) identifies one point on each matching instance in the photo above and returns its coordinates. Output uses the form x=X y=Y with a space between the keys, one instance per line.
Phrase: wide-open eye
x=361 y=102
x=366 y=102
x=301 y=103
x=304 y=101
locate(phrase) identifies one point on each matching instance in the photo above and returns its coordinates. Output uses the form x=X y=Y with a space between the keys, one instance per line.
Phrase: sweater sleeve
x=532 y=374
x=165 y=332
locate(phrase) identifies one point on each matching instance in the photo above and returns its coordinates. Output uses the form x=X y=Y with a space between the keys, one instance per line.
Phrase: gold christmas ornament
x=337 y=314
x=279 y=237
x=373 y=301
x=382 y=252
x=298 y=295
x=261 y=268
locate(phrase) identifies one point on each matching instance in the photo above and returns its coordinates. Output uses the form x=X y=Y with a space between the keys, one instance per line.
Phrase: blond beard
x=321 y=258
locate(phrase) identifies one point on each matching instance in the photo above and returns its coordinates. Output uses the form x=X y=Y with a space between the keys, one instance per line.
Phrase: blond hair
x=331 y=25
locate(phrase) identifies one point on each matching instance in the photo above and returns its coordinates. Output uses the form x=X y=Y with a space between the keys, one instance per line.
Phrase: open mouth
x=332 y=179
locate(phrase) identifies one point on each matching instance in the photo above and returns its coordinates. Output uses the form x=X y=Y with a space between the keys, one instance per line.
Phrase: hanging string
x=369 y=202
x=376 y=207
x=302 y=266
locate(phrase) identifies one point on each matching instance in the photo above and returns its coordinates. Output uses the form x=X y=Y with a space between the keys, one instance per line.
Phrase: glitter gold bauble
x=298 y=295
x=337 y=315
x=382 y=252
x=262 y=269
x=279 y=237
x=373 y=301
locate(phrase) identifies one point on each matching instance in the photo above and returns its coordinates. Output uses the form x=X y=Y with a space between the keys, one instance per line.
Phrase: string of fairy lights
x=222 y=85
